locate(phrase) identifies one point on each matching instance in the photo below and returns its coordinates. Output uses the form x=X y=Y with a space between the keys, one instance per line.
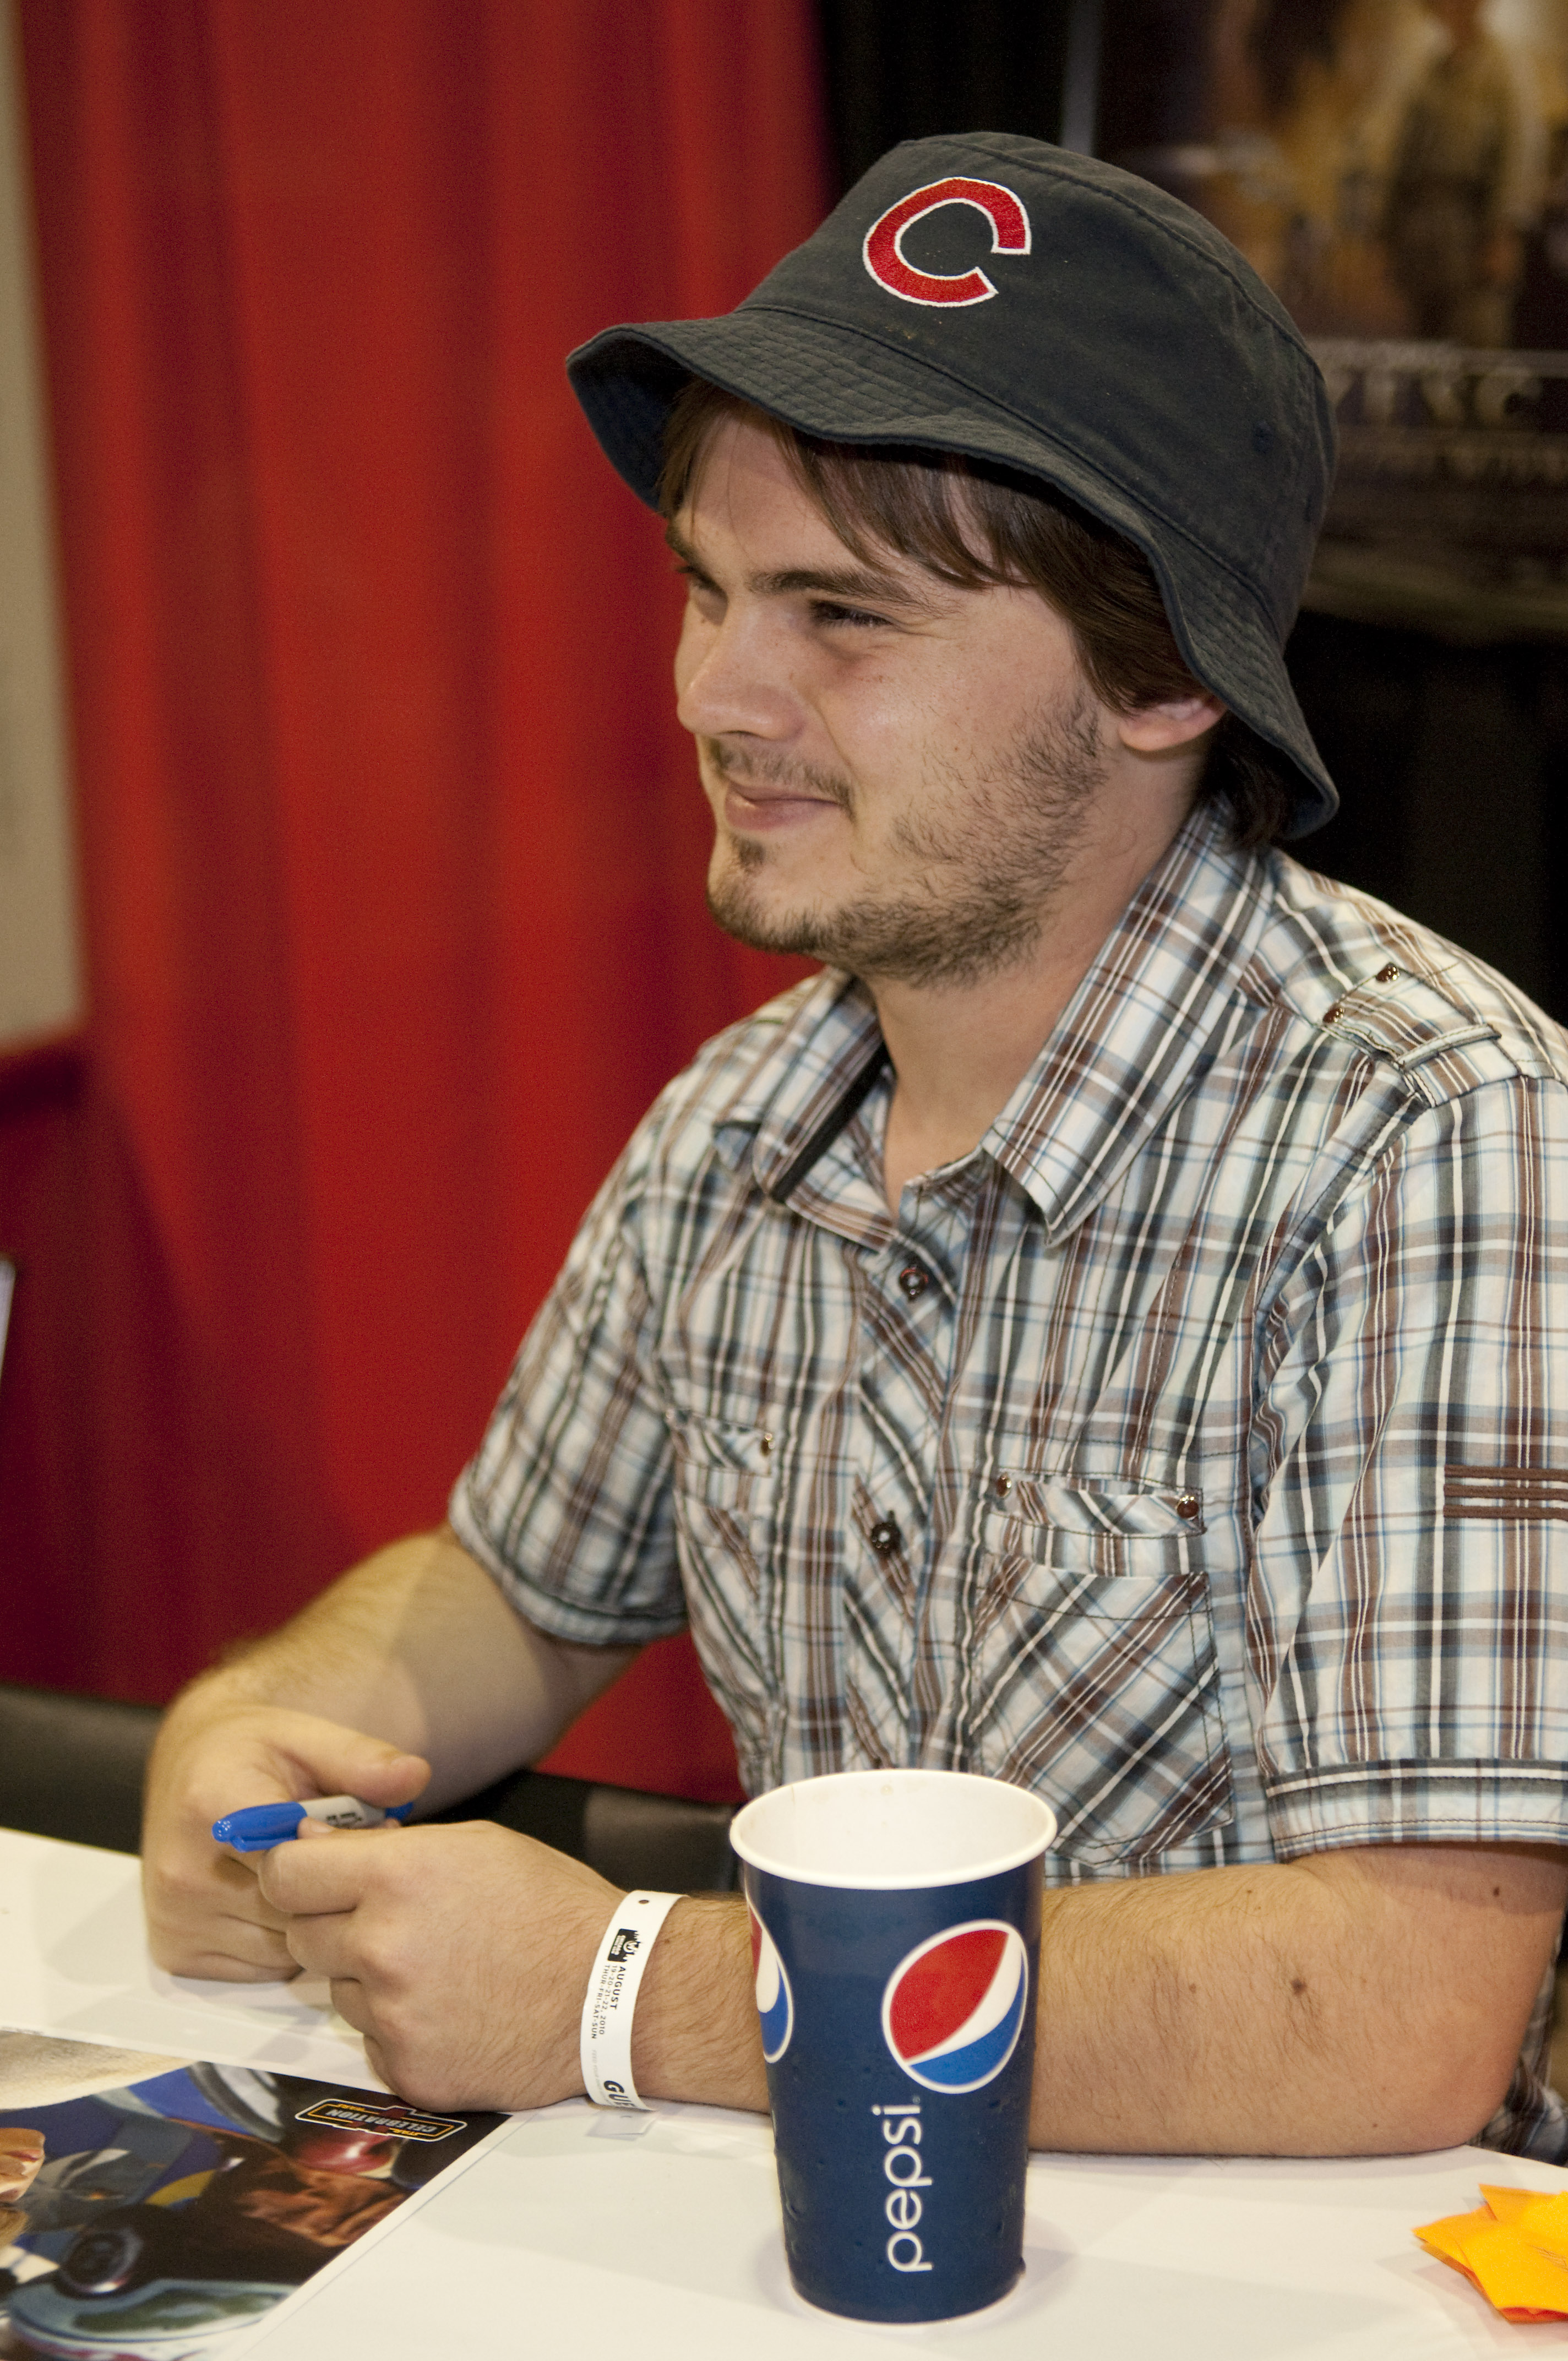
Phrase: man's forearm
x=418 y=1646
x=1358 y=2003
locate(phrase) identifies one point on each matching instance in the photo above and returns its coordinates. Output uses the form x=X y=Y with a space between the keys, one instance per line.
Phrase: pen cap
x=260 y=1827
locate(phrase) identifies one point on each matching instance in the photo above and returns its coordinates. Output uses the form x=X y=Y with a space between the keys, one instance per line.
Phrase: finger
x=323 y=1944
x=215 y=1944
x=214 y=1967
x=260 y=1949
x=241 y=1897
x=302 y=1880
x=251 y=1946
x=329 y=1760
x=265 y=1919
x=312 y=1831
x=176 y=1912
x=221 y=1951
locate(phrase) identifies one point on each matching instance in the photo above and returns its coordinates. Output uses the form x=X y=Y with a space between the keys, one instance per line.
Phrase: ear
x=1157 y=729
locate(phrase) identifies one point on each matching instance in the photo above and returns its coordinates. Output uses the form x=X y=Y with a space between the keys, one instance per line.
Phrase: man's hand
x=461 y=1953
x=417 y=1645
x=206 y=1915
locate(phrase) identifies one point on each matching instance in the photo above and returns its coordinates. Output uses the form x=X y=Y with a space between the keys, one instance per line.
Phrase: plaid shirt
x=1187 y=1451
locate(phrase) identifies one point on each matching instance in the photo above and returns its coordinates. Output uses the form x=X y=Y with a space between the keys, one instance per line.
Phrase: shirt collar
x=812 y=1067
x=1165 y=992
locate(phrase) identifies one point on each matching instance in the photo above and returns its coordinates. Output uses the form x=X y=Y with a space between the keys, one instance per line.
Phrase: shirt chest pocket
x=1093 y=1664
x=725 y=1485
x=1111 y=1527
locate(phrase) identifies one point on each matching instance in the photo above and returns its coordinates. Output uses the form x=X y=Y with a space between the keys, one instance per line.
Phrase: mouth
x=751 y=804
x=752 y=809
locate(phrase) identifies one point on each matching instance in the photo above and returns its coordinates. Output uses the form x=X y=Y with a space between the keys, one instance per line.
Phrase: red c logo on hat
x=883 y=248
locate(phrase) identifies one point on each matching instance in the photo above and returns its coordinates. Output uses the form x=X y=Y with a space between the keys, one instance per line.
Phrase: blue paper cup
x=895 y=1926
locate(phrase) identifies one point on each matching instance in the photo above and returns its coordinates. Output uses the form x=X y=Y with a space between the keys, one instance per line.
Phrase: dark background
x=1450 y=761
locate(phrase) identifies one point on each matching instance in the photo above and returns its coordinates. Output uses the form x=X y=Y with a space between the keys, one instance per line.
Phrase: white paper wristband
x=610 y=2001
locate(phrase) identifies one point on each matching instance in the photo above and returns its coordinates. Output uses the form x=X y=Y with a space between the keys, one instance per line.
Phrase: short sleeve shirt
x=1193 y=1451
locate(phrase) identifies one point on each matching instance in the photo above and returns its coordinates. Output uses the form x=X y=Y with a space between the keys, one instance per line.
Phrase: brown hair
x=969 y=523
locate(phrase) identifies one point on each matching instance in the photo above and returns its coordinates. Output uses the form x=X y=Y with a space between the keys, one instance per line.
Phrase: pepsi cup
x=895 y=1923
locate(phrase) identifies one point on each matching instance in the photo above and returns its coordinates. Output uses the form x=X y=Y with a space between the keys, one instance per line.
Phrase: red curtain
x=392 y=849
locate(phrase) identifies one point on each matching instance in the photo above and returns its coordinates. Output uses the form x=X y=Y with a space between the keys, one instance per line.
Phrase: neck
x=958 y=1052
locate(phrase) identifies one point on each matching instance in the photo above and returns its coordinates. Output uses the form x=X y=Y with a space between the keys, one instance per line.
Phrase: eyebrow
x=849 y=583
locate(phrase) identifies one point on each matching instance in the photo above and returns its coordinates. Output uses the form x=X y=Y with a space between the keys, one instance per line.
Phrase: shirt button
x=1389 y=974
x=914 y=1280
x=1331 y=1015
x=884 y=1537
x=1003 y=1486
x=1186 y=1505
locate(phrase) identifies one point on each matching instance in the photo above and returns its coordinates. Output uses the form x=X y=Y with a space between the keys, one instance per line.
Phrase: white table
x=658 y=2239
x=73 y=1960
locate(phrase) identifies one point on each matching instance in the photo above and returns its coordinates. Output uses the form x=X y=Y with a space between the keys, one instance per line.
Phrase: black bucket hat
x=993 y=295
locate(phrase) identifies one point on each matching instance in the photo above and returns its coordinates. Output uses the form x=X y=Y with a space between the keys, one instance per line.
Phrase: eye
x=705 y=595
x=831 y=612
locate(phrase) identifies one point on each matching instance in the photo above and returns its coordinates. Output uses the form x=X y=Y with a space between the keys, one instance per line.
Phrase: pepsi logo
x=954 y=2008
x=774 y=2005
x=882 y=249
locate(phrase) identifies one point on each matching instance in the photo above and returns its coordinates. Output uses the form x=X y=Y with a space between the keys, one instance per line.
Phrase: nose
x=732 y=676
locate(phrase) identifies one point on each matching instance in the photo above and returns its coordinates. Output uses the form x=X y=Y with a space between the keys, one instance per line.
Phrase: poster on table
x=164 y=2217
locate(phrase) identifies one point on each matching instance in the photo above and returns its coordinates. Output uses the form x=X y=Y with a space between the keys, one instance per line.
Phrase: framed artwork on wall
x=1398 y=171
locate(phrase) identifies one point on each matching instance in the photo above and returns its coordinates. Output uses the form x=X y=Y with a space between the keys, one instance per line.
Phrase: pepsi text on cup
x=903 y=2206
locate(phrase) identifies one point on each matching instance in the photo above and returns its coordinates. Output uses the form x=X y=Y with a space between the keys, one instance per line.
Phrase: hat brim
x=848 y=386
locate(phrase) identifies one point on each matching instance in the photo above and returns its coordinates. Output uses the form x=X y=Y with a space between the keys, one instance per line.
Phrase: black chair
x=663 y=1841
x=71 y=1766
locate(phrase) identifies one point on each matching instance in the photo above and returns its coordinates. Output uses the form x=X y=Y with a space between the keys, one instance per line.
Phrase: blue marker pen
x=262 y=1826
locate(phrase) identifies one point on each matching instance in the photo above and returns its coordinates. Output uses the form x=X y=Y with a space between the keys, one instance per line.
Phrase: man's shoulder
x=1382 y=983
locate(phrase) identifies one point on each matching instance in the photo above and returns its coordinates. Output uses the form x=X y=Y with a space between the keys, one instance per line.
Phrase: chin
x=753 y=919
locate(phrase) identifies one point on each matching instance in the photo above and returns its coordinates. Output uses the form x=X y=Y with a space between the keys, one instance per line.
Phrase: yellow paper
x=1545 y=2225
x=1514 y=2249
x=1515 y=2275
x=1446 y=2238
x=1508 y=2204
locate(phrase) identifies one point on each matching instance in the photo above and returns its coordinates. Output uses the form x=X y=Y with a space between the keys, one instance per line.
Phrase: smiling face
x=903 y=774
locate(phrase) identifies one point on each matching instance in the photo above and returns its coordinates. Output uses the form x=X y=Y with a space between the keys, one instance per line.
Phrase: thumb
x=333 y=1760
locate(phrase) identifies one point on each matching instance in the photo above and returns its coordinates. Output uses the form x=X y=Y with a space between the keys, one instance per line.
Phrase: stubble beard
x=985 y=863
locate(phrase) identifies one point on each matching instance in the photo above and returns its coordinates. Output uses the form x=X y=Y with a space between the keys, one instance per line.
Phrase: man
x=1101 y=1333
